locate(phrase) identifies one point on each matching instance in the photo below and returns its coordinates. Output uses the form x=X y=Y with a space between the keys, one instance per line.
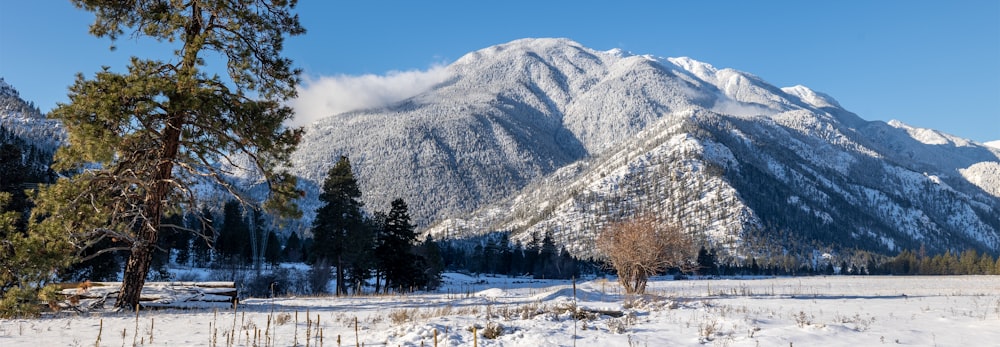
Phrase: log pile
x=89 y=296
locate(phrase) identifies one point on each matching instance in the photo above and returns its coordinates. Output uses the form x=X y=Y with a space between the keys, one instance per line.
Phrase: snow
x=930 y=136
x=994 y=144
x=800 y=311
x=811 y=97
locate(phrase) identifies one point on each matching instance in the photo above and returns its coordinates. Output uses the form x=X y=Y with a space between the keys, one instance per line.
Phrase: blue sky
x=933 y=64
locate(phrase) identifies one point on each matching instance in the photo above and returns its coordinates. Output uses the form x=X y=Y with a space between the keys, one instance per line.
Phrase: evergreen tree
x=505 y=255
x=985 y=265
x=182 y=242
x=272 y=253
x=548 y=256
x=359 y=257
x=13 y=174
x=400 y=265
x=567 y=266
x=204 y=238
x=258 y=239
x=233 y=235
x=531 y=258
x=480 y=264
x=430 y=252
x=161 y=127
x=377 y=224
x=292 y=252
x=706 y=262
x=26 y=263
x=338 y=220
x=517 y=261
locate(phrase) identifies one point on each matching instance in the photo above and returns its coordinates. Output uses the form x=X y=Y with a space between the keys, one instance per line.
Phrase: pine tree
x=161 y=127
x=26 y=263
x=292 y=252
x=272 y=253
x=13 y=174
x=359 y=257
x=395 y=250
x=517 y=260
x=548 y=255
x=706 y=262
x=183 y=241
x=234 y=233
x=430 y=252
x=201 y=245
x=337 y=220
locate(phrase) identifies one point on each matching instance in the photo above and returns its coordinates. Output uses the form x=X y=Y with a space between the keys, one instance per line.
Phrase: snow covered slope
x=24 y=120
x=545 y=135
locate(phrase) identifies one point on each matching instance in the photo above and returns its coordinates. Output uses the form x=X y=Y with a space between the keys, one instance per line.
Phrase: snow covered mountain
x=24 y=120
x=545 y=135
x=24 y=127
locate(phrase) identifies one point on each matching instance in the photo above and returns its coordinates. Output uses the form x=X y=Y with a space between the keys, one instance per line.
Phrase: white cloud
x=725 y=105
x=329 y=95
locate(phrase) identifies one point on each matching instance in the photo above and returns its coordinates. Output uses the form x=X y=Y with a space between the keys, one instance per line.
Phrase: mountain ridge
x=540 y=136
x=517 y=114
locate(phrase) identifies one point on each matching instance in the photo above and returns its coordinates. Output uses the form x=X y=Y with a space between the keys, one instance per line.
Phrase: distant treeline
x=907 y=262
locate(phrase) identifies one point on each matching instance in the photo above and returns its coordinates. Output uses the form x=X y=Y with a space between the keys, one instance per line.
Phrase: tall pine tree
x=161 y=127
x=395 y=250
x=233 y=235
x=338 y=220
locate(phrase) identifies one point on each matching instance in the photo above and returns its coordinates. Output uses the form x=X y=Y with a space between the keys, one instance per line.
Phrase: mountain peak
x=811 y=97
x=7 y=89
x=538 y=135
x=930 y=136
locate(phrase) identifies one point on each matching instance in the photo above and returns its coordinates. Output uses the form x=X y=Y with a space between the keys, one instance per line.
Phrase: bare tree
x=643 y=246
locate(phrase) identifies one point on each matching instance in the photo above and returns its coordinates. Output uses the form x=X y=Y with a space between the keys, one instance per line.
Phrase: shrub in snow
x=493 y=330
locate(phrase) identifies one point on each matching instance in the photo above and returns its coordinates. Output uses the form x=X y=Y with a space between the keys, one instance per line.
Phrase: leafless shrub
x=802 y=320
x=643 y=247
x=616 y=326
x=401 y=316
x=707 y=329
x=282 y=318
x=492 y=330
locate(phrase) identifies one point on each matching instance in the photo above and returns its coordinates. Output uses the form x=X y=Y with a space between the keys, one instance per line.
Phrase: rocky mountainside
x=545 y=135
x=26 y=130
x=23 y=119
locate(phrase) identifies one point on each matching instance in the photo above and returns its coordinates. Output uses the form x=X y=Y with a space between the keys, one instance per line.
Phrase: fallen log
x=88 y=296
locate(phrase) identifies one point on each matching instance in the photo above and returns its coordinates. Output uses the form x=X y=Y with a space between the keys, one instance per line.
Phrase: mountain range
x=546 y=136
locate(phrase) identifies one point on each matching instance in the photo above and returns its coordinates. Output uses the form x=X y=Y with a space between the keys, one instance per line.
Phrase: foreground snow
x=809 y=311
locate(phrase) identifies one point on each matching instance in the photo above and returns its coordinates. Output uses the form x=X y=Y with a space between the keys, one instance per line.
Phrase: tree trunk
x=134 y=277
x=139 y=261
x=341 y=287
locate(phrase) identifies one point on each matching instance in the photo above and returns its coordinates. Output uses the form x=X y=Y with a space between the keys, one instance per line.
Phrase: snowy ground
x=807 y=311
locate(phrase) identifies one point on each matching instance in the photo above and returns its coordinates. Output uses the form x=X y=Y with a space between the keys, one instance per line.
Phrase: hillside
x=545 y=135
x=28 y=134
x=23 y=119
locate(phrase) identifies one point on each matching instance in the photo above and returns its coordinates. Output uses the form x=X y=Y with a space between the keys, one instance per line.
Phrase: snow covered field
x=801 y=311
